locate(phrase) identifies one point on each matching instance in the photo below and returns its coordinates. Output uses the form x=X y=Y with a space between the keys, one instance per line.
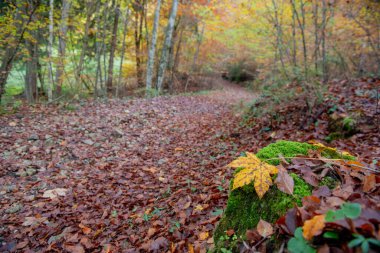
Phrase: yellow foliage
x=254 y=170
x=313 y=227
x=323 y=147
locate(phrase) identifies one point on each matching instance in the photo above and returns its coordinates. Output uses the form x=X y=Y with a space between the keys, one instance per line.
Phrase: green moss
x=330 y=182
x=285 y=148
x=244 y=208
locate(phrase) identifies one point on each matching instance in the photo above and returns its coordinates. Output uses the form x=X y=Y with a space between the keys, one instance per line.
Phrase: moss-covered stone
x=245 y=209
x=284 y=148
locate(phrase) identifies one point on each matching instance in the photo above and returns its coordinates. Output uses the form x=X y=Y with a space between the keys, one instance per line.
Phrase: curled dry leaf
x=284 y=181
x=264 y=228
x=313 y=227
x=86 y=230
x=203 y=236
x=369 y=182
x=54 y=193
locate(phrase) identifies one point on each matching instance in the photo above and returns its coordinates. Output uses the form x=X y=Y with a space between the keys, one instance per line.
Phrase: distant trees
x=106 y=47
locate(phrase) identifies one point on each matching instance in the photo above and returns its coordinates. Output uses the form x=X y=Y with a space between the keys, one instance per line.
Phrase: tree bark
x=50 y=51
x=125 y=29
x=112 y=51
x=166 y=46
x=62 y=45
x=78 y=74
x=152 y=49
x=301 y=25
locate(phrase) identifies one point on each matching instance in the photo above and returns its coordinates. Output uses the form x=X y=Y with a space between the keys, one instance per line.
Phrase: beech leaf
x=284 y=181
x=264 y=228
x=313 y=227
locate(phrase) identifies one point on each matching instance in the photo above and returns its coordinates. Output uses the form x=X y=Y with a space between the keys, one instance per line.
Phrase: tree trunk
x=31 y=70
x=50 y=51
x=279 y=38
x=294 y=39
x=166 y=46
x=323 y=35
x=125 y=30
x=12 y=49
x=152 y=49
x=78 y=74
x=316 y=33
x=62 y=45
x=199 y=42
x=112 y=51
x=301 y=25
x=139 y=20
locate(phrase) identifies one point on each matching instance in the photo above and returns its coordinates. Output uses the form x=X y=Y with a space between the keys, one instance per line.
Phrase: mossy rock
x=245 y=208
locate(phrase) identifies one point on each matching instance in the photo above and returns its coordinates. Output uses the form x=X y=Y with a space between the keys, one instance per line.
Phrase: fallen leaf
x=369 y=182
x=29 y=221
x=254 y=170
x=85 y=230
x=55 y=193
x=203 y=236
x=74 y=248
x=284 y=181
x=160 y=242
x=313 y=227
x=230 y=232
x=264 y=228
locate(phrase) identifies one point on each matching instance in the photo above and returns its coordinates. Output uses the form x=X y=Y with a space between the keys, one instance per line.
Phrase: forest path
x=125 y=175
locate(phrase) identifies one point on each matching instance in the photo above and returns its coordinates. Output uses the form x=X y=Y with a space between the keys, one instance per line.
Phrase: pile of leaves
x=293 y=112
x=341 y=218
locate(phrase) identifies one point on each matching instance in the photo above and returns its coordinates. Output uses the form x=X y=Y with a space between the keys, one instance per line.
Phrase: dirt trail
x=132 y=176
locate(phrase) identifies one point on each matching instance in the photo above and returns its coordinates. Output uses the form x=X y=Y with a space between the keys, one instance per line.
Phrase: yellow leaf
x=203 y=236
x=191 y=248
x=323 y=147
x=198 y=208
x=254 y=170
x=313 y=227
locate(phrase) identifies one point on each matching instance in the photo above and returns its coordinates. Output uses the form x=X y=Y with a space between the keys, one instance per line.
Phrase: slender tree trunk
x=166 y=46
x=301 y=25
x=125 y=30
x=316 y=34
x=62 y=45
x=199 y=42
x=152 y=49
x=139 y=21
x=279 y=37
x=294 y=39
x=50 y=51
x=323 y=35
x=112 y=51
x=78 y=74
x=98 y=75
x=31 y=70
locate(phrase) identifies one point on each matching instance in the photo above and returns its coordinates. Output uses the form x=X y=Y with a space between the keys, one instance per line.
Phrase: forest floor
x=121 y=175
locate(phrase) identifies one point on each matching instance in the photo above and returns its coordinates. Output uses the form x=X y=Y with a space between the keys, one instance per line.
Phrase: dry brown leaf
x=264 y=228
x=54 y=193
x=369 y=182
x=284 y=181
x=86 y=230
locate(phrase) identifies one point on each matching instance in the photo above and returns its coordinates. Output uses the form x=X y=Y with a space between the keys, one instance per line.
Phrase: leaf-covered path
x=121 y=176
